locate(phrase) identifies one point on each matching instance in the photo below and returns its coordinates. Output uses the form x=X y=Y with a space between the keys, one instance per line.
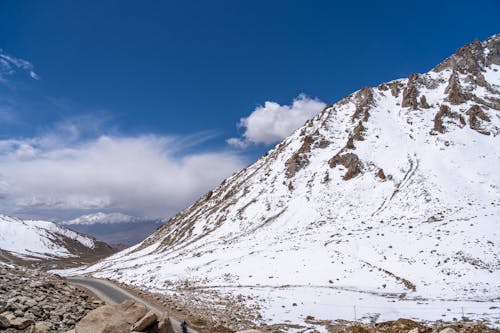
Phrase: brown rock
x=410 y=93
x=4 y=322
x=350 y=161
x=112 y=318
x=363 y=99
x=145 y=322
x=41 y=327
x=394 y=88
x=164 y=325
x=476 y=114
x=381 y=174
x=300 y=158
x=423 y=102
x=444 y=111
x=21 y=323
x=454 y=91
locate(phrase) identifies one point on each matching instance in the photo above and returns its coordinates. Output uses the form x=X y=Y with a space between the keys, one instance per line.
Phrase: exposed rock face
x=454 y=91
x=363 y=100
x=31 y=298
x=445 y=113
x=476 y=115
x=350 y=161
x=410 y=93
x=299 y=159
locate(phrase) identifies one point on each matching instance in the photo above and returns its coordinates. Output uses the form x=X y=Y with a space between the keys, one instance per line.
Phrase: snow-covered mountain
x=388 y=200
x=103 y=218
x=117 y=229
x=46 y=244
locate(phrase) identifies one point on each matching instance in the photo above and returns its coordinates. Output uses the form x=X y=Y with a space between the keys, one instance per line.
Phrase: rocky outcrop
x=350 y=161
x=410 y=93
x=40 y=301
x=299 y=159
x=363 y=100
x=454 y=91
x=445 y=112
x=476 y=115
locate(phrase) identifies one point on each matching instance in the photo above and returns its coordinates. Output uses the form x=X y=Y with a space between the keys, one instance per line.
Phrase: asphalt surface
x=113 y=294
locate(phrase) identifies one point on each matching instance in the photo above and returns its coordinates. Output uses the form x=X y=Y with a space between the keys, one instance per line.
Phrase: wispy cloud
x=273 y=122
x=9 y=65
x=61 y=174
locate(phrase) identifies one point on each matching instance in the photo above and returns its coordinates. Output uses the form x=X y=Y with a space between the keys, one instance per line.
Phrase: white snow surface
x=421 y=243
x=37 y=239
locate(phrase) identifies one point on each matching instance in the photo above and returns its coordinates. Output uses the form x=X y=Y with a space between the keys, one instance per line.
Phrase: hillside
x=386 y=204
x=46 y=244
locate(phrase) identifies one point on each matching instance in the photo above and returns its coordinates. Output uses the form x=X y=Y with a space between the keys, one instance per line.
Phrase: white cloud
x=144 y=175
x=273 y=122
x=9 y=65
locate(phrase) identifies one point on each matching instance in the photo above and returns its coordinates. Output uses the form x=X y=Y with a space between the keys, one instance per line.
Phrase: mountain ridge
x=45 y=244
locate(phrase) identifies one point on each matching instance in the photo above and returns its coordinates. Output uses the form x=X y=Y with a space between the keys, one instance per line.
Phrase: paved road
x=112 y=294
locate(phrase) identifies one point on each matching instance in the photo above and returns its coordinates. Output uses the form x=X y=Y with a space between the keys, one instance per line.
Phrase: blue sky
x=183 y=73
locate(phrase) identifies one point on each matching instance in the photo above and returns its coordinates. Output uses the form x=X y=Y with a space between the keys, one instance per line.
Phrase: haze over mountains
x=117 y=229
x=388 y=199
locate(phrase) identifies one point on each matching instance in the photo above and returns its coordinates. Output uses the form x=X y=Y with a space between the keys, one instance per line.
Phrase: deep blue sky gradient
x=181 y=67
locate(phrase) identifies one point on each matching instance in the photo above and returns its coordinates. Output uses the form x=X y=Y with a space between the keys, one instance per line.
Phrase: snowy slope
x=31 y=240
x=387 y=199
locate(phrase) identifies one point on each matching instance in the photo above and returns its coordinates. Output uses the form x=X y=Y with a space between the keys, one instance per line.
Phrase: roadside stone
x=145 y=322
x=165 y=325
x=112 y=318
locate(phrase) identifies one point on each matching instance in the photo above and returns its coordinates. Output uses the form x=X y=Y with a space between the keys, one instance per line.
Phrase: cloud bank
x=273 y=122
x=148 y=175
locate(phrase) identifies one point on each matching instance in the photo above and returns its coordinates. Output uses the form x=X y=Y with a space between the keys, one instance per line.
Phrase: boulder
x=145 y=322
x=448 y=330
x=4 y=322
x=41 y=327
x=164 y=325
x=117 y=318
x=21 y=323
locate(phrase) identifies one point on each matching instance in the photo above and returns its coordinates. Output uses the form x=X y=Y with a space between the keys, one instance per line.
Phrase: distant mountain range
x=46 y=244
x=387 y=201
x=119 y=230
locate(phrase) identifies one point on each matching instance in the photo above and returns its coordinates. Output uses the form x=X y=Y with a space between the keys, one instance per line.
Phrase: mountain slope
x=46 y=244
x=387 y=199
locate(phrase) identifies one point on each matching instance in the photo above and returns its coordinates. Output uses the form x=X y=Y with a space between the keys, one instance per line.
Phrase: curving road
x=113 y=294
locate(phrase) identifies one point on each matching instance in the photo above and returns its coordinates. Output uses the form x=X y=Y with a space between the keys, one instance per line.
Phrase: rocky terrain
x=44 y=244
x=385 y=205
x=34 y=300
